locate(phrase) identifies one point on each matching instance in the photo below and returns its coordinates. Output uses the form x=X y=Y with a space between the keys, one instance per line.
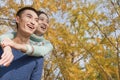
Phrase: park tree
x=84 y=33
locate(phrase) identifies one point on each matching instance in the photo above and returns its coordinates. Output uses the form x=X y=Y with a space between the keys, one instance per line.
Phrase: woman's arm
x=42 y=49
x=32 y=50
x=7 y=35
x=6 y=40
x=40 y=45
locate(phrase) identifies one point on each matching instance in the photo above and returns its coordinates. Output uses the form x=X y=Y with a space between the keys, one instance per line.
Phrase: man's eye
x=29 y=16
x=36 y=20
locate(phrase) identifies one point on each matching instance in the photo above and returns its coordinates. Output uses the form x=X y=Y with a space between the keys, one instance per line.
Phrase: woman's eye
x=41 y=19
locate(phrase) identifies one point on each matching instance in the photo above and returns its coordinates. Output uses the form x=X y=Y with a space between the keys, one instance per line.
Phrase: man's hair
x=20 y=11
x=41 y=12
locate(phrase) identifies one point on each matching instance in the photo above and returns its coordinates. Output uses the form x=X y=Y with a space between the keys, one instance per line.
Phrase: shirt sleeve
x=44 y=48
x=7 y=35
x=37 y=72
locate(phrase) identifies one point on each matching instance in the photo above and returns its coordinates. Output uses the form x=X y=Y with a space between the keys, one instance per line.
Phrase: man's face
x=43 y=24
x=27 y=22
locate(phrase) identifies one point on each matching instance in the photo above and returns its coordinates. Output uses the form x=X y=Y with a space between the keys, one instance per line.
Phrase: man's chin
x=29 y=32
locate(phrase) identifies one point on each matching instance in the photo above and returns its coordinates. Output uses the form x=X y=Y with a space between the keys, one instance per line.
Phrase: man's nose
x=32 y=22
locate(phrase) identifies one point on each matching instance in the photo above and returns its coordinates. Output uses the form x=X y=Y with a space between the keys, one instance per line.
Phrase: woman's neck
x=38 y=33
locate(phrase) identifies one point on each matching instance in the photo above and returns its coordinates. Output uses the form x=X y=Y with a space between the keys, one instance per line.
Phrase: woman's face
x=43 y=24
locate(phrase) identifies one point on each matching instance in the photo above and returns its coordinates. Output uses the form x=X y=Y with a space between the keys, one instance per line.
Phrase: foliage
x=82 y=32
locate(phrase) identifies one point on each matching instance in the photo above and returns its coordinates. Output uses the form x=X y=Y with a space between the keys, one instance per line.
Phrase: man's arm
x=37 y=72
x=7 y=56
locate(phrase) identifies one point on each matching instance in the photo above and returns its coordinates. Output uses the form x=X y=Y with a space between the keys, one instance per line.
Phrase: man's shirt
x=23 y=67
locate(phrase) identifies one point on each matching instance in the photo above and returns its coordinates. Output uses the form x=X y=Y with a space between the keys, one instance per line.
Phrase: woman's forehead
x=43 y=15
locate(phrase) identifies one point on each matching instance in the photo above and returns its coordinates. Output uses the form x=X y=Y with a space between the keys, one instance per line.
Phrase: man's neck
x=21 y=39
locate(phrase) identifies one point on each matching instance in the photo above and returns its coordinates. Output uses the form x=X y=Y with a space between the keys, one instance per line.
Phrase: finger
x=6 y=60
x=3 y=55
x=2 y=44
x=5 y=44
x=7 y=63
x=3 y=59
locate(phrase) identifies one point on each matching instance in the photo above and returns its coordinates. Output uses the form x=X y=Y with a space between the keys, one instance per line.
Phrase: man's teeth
x=30 y=27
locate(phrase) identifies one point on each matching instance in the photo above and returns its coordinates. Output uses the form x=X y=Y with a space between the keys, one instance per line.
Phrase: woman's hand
x=7 y=42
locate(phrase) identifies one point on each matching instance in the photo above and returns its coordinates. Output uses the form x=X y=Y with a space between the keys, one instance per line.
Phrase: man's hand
x=7 y=56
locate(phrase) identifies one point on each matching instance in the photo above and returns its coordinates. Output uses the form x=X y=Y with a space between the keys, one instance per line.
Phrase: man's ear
x=17 y=19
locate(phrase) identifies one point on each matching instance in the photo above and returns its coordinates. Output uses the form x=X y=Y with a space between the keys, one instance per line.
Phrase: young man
x=23 y=67
x=39 y=45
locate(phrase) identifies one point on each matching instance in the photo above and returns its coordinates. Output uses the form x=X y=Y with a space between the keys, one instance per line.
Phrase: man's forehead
x=30 y=12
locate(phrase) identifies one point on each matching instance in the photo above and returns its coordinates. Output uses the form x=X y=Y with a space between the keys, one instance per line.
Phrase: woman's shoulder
x=36 y=38
x=10 y=35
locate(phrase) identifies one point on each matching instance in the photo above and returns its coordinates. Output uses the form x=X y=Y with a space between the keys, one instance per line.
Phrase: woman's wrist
x=29 y=50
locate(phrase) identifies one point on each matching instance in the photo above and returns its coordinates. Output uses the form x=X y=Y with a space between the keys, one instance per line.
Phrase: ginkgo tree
x=84 y=33
x=95 y=40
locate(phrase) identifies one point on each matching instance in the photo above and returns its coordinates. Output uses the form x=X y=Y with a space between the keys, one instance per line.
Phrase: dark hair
x=41 y=12
x=20 y=11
